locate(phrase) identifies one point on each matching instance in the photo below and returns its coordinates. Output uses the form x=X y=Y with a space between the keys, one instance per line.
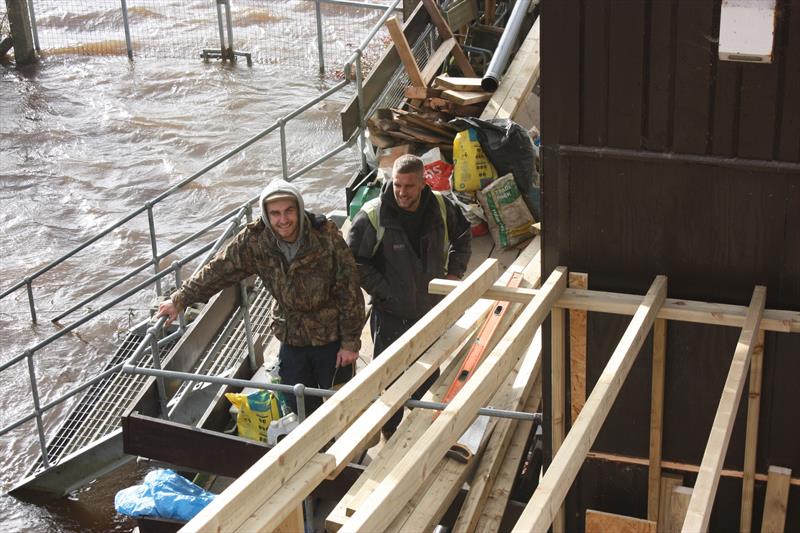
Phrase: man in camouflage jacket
x=309 y=270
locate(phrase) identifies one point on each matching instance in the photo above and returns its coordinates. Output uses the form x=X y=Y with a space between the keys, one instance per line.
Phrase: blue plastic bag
x=164 y=494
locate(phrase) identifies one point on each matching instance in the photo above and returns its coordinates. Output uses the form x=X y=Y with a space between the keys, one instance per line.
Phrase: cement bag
x=510 y=220
x=256 y=411
x=472 y=169
x=164 y=494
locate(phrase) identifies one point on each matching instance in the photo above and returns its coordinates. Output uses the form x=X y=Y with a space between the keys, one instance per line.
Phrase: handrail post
x=320 y=50
x=127 y=29
x=361 y=111
x=29 y=286
x=248 y=326
x=37 y=409
x=299 y=394
x=153 y=243
x=176 y=265
x=156 y=355
x=284 y=160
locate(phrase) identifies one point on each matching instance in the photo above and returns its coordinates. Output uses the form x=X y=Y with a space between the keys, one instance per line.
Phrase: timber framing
x=415 y=484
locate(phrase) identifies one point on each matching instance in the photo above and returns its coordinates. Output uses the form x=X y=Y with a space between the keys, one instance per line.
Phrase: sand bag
x=256 y=411
x=510 y=220
x=472 y=170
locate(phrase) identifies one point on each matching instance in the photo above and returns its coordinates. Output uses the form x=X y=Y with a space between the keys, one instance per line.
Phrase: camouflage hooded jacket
x=318 y=298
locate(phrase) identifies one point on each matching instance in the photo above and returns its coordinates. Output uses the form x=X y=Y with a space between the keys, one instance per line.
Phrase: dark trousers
x=386 y=329
x=313 y=366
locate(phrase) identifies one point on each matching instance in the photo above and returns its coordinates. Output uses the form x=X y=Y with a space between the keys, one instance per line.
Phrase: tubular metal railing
x=151 y=341
x=234 y=218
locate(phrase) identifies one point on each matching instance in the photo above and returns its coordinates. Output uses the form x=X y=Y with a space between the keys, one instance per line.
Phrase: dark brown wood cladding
x=660 y=159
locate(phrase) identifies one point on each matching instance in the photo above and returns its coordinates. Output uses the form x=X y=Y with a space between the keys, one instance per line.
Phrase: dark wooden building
x=661 y=159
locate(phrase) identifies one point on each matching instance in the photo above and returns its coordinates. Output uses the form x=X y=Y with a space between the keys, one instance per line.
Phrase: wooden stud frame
x=546 y=500
x=705 y=488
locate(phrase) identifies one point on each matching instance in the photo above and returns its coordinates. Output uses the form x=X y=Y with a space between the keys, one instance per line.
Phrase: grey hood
x=276 y=189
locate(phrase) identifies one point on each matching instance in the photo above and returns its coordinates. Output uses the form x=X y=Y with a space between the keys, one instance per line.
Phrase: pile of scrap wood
x=411 y=481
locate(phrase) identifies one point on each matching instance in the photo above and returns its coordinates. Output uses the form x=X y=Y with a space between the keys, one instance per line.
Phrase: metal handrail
x=150 y=342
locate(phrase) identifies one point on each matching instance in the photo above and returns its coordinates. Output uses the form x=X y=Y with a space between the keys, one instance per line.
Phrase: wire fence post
x=127 y=29
x=31 y=304
x=320 y=49
x=361 y=121
x=34 y=30
x=221 y=29
x=284 y=160
x=153 y=242
x=229 y=23
x=37 y=408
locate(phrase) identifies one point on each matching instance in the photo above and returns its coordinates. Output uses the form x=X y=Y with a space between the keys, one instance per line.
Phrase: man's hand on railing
x=168 y=309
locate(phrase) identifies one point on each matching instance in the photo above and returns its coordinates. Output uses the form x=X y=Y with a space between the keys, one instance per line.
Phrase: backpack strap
x=373 y=208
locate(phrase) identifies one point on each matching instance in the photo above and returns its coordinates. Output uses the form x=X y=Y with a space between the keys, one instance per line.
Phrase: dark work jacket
x=396 y=278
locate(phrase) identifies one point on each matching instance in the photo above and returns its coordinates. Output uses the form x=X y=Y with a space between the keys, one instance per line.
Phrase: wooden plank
x=493 y=512
x=557 y=393
x=656 y=417
x=595 y=74
x=705 y=488
x=244 y=495
x=465 y=97
x=577 y=349
x=751 y=435
x=777 y=498
x=600 y=522
x=405 y=53
x=673 y=465
x=789 y=135
x=293 y=523
x=677 y=508
x=667 y=484
x=459 y=84
x=553 y=487
x=661 y=72
x=626 y=304
x=446 y=33
x=421 y=93
x=436 y=59
x=626 y=67
x=410 y=472
x=518 y=81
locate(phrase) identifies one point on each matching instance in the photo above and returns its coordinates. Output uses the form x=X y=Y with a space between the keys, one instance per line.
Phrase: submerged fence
x=313 y=34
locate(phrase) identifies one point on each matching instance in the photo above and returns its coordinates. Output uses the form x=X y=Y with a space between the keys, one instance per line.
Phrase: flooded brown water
x=86 y=140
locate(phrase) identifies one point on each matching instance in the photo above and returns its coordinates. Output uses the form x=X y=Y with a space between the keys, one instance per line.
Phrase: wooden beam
x=445 y=33
x=667 y=484
x=557 y=393
x=673 y=465
x=465 y=97
x=656 y=417
x=775 y=501
x=553 y=487
x=705 y=488
x=679 y=504
x=518 y=81
x=577 y=349
x=231 y=508
x=405 y=53
x=459 y=84
x=600 y=522
x=380 y=508
x=751 y=435
x=436 y=59
x=627 y=304
x=293 y=522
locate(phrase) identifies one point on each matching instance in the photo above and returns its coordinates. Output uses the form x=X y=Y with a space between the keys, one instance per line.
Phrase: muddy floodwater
x=85 y=140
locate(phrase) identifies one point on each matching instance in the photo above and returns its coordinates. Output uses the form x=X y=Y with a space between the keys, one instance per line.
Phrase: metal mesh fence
x=280 y=32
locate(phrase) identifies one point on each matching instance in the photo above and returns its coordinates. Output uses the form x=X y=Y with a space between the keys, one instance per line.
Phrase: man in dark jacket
x=309 y=270
x=401 y=241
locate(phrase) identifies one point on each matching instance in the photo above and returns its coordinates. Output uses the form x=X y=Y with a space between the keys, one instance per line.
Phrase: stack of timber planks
x=270 y=493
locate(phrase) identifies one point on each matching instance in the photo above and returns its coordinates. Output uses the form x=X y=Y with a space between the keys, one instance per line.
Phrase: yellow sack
x=256 y=411
x=472 y=169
